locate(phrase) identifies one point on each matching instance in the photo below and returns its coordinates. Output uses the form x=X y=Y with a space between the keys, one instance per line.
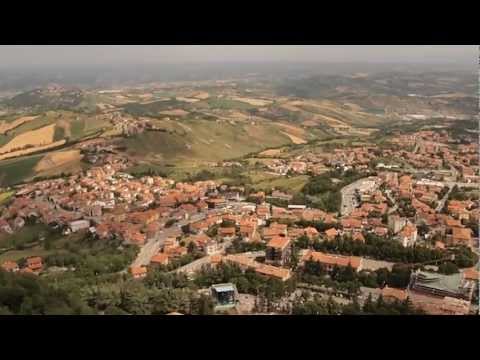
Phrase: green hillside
x=204 y=140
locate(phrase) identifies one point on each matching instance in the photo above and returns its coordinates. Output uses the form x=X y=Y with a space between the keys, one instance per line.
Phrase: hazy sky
x=139 y=54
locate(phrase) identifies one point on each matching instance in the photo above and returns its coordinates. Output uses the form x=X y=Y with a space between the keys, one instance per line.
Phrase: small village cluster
x=423 y=150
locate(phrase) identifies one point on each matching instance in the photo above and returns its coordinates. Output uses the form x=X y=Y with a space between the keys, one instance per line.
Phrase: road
x=441 y=203
x=197 y=264
x=395 y=205
x=349 y=202
x=152 y=247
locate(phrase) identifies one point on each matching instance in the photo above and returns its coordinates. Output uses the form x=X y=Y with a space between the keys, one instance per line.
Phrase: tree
x=448 y=268
x=134 y=298
x=399 y=277
x=192 y=247
x=353 y=308
x=302 y=242
x=368 y=306
x=203 y=305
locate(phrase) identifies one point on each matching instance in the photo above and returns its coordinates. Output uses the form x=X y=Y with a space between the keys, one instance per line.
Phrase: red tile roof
x=273 y=271
x=138 y=271
x=330 y=259
x=160 y=258
x=399 y=294
x=10 y=266
x=279 y=242
x=331 y=233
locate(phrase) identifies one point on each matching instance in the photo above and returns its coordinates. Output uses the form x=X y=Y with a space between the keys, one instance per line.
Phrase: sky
x=43 y=55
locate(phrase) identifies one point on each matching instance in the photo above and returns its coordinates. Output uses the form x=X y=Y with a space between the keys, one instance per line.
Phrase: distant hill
x=51 y=98
x=402 y=93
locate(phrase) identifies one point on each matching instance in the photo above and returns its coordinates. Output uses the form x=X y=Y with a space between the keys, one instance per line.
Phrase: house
x=201 y=205
x=280 y=195
x=439 y=245
x=199 y=226
x=295 y=233
x=358 y=236
x=275 y=272
x=396 y=223
x=216 y=203
x=462 y=236
x=27 y=270
x=380 y=231
x=10 y=266
x=471 y=274
x=199 y=240
x=152 y=230
x=459 y=209
x=18 y=223
x=78 y=225
x=331 y=233
x=215 y=260
x=273 y=230
x=263 y=213
x=226 y=232
x=248 y=232
x=258 y=197
x=242 y=261
x=351 y=224
x=330 y=260
x=103 y=231
x=138 y=272
x=134 y=236
x=453 y=306
x=393 y=294
x=311 y=232
x=278 y=251
x=314 y=215
x=408 y=235
x=5 y=226
x=212 y=247
x=159 y=259
x=34 y=263
x=167 y=201
x=175 y=252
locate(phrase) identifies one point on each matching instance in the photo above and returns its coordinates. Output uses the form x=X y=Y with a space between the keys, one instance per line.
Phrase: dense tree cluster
x=322 y=193
x=247 y=282
x=25 y=294
x=319 y=306
x=382 y=248
x=345 y=279
x=91 y=257
x=239 y=246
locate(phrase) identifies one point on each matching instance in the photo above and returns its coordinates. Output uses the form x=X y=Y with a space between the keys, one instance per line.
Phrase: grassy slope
x=17 y=170
x=205 y=141
x=290 y=184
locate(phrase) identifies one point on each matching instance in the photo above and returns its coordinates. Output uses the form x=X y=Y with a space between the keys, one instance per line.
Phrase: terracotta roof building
x=278 y=251
x=331 y=260
x=138 y=272
x=389 y=293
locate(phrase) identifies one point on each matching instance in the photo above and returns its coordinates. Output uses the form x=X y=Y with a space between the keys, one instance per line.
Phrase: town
x=405 y=230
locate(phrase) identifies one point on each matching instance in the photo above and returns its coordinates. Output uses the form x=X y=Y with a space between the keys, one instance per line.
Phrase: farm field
x=16 y=170
x=9 y=125
x=59 y=159
x=205 y=141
